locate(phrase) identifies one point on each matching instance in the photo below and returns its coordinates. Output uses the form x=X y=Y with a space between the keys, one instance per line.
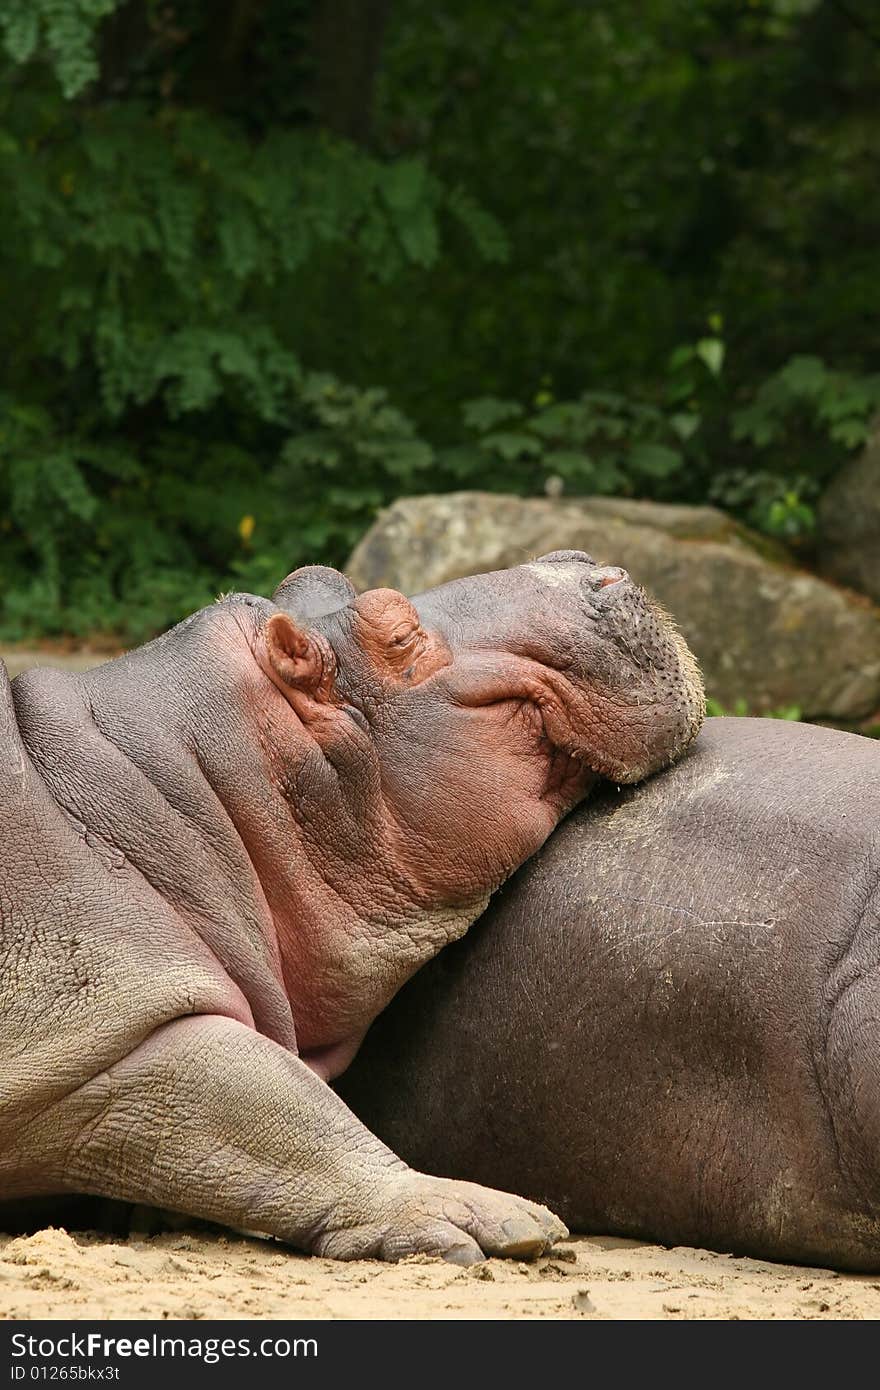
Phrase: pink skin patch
x=331 y=1061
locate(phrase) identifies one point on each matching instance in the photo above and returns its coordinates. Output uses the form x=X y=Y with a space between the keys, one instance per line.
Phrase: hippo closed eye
x=224 y=853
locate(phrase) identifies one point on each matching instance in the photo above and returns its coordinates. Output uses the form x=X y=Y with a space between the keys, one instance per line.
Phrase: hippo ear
x=300 y=660
x=312 y=592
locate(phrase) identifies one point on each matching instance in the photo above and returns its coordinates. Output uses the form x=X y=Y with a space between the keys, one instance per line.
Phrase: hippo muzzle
x=621 y=688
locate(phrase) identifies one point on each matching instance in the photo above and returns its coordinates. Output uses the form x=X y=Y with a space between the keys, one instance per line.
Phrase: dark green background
x=267 y=264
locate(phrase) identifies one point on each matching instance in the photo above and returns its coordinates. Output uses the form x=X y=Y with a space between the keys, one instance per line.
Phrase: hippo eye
x=403 y=639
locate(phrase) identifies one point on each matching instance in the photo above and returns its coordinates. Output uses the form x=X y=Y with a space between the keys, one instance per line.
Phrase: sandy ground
x=54 y=1273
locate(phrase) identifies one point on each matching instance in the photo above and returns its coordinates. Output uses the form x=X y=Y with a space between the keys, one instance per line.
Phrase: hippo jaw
x=662 y=707
x=631 y=723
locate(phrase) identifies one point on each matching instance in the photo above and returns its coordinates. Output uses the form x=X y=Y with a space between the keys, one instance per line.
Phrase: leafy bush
x=800 y=420
x=601 y=442
x=154 y=398
x=250 y=275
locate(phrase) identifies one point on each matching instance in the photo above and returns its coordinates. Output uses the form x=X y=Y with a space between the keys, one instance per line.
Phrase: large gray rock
x=762 y=630
x=849 y=522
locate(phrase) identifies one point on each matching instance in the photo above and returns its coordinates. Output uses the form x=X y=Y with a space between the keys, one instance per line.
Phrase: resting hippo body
x=224 y=853
x=668 y=1024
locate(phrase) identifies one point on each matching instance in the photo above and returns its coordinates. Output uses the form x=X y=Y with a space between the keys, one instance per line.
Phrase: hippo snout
x=577 y=564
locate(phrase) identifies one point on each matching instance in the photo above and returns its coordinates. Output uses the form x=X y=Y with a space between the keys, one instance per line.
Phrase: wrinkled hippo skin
x=668 y=1023
x=224 y=853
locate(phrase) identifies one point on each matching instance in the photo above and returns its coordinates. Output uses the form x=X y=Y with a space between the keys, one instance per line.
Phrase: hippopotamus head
x=484 y=707
x=436 y=742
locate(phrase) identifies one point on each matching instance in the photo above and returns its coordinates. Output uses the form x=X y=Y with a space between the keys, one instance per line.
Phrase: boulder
x=763 y=630
x=849 y=522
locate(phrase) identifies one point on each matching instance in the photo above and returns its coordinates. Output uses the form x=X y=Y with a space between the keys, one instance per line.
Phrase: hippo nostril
x=602 y=577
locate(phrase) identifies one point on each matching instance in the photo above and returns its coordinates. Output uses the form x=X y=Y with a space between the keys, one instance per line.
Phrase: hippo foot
x=459 y=1221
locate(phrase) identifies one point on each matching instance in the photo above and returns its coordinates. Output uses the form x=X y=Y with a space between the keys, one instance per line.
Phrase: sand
x=53 y=1273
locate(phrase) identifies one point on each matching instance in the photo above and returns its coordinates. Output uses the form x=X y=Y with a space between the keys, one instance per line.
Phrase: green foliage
x=788 y=439
x=98 y=538
x=799 y=422
x=153 y=395
x=352 y=453
x=741 y=709
x=805 y=393
x=602 y=442
x=250 y=275
x=649 y=160
x=780 y=506
x=63 y=29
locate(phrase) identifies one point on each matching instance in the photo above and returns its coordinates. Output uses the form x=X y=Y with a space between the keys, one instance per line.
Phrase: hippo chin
x=668 y=1024
x=223 y=854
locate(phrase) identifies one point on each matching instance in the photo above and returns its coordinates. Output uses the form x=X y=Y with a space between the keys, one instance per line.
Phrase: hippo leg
x=210 y=1117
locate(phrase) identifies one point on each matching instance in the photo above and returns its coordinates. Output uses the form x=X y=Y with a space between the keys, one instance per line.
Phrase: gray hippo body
x=668 y=1023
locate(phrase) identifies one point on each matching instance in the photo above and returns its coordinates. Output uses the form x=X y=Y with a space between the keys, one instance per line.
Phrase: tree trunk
x=347 y=49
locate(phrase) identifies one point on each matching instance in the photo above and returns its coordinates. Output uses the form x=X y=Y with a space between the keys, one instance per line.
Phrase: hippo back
x=637 y=1030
